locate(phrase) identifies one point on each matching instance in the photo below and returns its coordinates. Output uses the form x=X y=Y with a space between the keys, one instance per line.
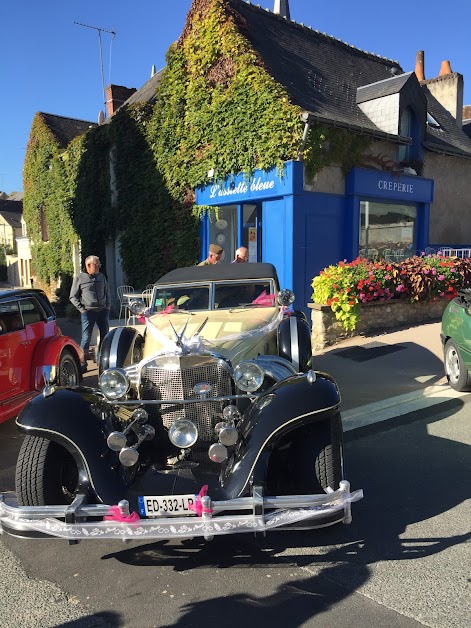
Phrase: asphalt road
x=403 y=562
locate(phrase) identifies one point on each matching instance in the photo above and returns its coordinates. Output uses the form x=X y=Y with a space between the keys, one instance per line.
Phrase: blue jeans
x=100 y=317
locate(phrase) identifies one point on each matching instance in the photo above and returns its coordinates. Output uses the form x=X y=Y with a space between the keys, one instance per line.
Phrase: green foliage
x=218 y=107
x=326 y=146
x=345 y=286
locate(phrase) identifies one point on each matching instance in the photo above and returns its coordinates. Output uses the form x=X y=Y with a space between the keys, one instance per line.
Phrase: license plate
x=166 y=505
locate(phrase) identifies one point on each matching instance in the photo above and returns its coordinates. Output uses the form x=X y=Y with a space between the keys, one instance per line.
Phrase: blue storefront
x=381 y=214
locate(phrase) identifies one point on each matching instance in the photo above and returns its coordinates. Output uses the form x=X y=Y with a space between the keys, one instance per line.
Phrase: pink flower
x=434 y=271
x=441 y=277
x=440 y=253
x=387 y=276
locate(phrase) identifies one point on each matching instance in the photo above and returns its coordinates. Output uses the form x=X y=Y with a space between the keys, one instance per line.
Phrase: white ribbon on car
x=199 y=344
x=182 y=527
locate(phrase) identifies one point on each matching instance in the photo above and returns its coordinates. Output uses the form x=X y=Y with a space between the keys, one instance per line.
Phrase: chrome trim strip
x=140 y=402
x=293 y=328
x=114 y=348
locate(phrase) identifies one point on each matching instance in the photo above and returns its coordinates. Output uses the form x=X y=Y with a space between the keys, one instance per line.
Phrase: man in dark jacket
x=91 y=296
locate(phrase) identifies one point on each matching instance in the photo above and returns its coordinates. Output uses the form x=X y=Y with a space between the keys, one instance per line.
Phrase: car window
x=181 y=298
x=10 y=317
x=242 y=294
x=31 y=311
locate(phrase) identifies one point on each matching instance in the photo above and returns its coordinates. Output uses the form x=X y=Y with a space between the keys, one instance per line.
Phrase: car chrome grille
x=174 y=378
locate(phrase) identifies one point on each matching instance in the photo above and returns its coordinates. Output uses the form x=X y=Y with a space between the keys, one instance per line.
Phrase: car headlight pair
x=248 y=376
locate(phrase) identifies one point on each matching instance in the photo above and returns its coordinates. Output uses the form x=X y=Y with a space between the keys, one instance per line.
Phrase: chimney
x=282 y=8
x=445 y=68
x=467 y=112
x=116 y=95
x=420 y=65
x=448 y=89
x=152 y=71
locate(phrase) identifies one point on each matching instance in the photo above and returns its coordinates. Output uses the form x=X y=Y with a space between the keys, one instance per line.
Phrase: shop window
x=387 y=231
x=223 y=230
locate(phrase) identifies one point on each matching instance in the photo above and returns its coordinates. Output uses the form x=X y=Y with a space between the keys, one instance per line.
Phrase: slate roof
x=322 y=75
x=148 y=92
x=449 y=139
x=383 y=88
x=11 y=212
x=66 y=129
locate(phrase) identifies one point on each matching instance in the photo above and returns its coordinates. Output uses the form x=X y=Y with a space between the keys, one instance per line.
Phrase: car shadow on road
x=408 y=474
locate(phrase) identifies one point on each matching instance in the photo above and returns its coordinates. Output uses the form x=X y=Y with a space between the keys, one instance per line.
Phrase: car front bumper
x=81 y=521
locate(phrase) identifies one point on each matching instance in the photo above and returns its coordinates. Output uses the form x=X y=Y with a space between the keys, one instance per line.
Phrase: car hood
x=237 y=334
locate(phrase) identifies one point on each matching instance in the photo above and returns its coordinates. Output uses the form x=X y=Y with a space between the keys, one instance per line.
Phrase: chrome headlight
x=248 y=376
x=137 y=306
x=114 y=383
x=183 y=433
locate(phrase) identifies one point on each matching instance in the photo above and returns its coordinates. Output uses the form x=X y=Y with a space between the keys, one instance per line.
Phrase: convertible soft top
x=219 y=272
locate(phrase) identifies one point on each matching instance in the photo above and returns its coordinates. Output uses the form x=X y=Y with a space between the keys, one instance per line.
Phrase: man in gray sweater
x=91 y=296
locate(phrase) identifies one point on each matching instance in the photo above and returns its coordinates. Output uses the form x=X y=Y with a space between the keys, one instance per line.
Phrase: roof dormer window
x=431 y=122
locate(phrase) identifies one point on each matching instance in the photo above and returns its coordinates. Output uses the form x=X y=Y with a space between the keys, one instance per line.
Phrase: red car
x=31 y=345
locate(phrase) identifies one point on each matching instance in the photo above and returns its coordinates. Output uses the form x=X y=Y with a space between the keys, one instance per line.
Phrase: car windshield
x=243 y=294
x=180 y=298
x=226 y=295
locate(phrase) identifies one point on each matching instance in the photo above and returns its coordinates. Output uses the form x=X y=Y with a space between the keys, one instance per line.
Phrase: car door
x=15 y=351
x=36 y=328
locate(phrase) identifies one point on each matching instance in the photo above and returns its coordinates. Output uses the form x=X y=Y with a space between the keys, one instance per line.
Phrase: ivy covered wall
x=217 y=108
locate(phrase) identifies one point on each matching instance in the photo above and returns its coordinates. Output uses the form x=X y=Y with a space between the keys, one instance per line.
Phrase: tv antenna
x=100 y=31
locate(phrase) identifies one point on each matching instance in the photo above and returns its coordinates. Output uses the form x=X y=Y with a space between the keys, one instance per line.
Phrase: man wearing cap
x=214 y=257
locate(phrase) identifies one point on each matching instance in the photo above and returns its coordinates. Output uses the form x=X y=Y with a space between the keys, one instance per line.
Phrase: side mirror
x=285 y=297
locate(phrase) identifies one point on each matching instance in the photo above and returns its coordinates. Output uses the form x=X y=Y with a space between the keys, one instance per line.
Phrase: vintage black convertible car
x=208 y=420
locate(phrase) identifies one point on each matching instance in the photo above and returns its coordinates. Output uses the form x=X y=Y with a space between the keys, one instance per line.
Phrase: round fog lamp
x=228 y=436
x=114 y=383
x=183 y=433
x=116 y=441
x=230 y=413
x=248 y=376
x=217 y=452
x=128 y=456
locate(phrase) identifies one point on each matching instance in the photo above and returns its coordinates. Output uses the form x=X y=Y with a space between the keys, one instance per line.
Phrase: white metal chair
x=123 y=301
x=429 y=250
x=147 y=296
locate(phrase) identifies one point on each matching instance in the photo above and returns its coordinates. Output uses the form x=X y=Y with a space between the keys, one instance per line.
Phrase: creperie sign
x=243 y=187
x=395 y=186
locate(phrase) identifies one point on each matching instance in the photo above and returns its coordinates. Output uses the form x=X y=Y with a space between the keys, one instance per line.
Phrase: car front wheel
x=69 y=373
x=455 y=369
x=46 y=473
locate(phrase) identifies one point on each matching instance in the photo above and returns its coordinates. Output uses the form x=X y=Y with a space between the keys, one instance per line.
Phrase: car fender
x=117 y=349
x=48 y=352
x=76 y=419
x=289 y=405
x=294 y=340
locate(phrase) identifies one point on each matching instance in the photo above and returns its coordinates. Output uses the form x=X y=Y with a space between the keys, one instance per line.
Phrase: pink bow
x=168 y=309
x=198 y=507
x=114 y=514
x=264 y=299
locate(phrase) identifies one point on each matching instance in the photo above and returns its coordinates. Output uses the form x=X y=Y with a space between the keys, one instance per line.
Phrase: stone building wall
x=451 y=208
x=327 y=330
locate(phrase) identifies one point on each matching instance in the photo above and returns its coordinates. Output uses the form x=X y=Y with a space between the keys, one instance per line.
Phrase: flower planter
x=375 y=316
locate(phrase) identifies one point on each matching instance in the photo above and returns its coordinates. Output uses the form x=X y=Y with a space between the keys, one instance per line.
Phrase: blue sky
x=49 y=64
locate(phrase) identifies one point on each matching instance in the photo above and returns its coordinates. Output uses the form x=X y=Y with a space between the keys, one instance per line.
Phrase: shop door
x=250 y=229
